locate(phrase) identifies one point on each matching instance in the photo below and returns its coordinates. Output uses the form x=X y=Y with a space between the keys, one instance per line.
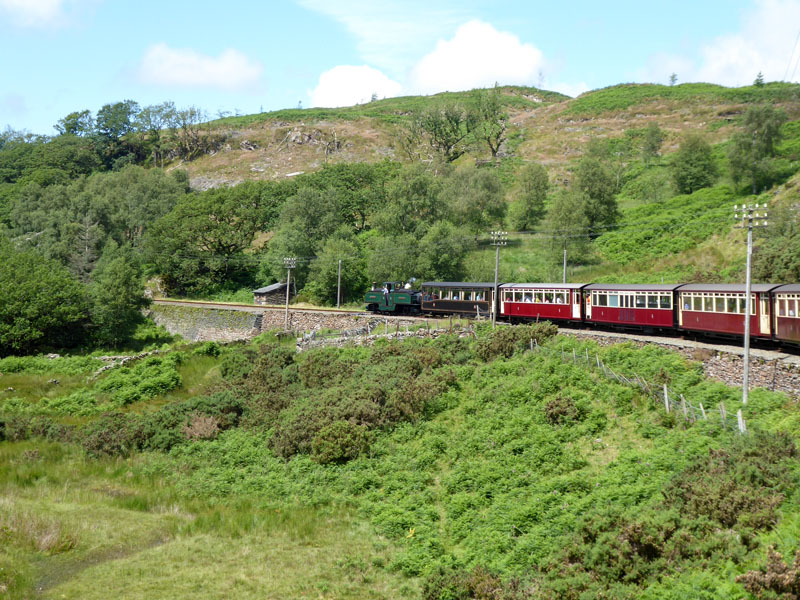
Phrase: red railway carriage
x=559 y=301
x=720 y=308
x=637 y=305
x=786 y=310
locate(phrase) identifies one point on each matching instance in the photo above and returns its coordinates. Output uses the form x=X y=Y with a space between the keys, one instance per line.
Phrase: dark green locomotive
x=393 y=298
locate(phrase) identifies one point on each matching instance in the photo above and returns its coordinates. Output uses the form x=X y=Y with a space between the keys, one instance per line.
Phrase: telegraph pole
x=749 y=218
x=499 y=238
x=565 y=261
x=339 y=284
x=289 y=264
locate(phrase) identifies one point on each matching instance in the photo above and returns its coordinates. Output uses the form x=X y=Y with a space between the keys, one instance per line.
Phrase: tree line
x=102 y=230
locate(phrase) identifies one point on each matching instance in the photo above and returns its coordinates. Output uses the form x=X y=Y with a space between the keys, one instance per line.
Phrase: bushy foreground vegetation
x=485 y=470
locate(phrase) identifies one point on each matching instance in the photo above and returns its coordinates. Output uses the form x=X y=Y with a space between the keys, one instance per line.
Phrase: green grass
x=392 y=110
x=624 y=96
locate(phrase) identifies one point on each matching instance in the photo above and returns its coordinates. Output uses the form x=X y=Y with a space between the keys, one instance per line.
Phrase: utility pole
x=749 y=218
x=499 y=238
x=565 y=261
x=289 y=264
x=339 y=284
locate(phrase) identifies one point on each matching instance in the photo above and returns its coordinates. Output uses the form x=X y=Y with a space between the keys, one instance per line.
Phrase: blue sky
x=60 y=56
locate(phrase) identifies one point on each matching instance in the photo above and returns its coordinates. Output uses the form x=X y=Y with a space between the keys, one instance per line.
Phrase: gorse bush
x=504 y=341
x=148 y=378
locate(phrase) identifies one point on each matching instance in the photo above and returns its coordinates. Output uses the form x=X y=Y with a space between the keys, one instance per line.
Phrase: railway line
x=764 y=352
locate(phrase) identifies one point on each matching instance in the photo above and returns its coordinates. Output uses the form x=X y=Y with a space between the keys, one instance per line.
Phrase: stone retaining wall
x=199 y=324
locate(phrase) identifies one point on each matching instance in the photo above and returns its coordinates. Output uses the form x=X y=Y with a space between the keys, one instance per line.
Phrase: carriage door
x=763 y=315
x=588 y=305
x=576 y=305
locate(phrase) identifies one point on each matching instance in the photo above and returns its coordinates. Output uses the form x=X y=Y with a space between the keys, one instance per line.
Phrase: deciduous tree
x=693 y=166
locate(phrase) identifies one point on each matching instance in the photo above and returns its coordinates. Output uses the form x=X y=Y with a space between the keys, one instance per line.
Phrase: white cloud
x=185 y=67
x=763 y=44
x=346 y=85
x=570 y=89
x=13 y=104
x=33 y=13
x=478 y=55
x=390 y=34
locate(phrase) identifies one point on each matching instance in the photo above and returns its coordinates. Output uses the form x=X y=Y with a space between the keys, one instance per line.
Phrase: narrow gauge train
x=708 y=308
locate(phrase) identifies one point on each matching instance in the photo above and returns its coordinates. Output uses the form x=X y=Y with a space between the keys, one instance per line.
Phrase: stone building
x=272 y=294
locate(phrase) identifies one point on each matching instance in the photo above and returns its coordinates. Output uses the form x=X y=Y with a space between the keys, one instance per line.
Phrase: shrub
x=560 y=410
x=208 y=349
x=504 y=341
x=201 y=427
x=339 y=442
x=777 y=580
x=478 y=583
x=114 y=434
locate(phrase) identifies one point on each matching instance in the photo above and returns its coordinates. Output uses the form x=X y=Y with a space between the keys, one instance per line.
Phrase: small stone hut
x=272 y=294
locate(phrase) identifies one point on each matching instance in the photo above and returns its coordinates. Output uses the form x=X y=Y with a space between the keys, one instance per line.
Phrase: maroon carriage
x=535 y=301
x=720 y=308
x=630 y=305
x=786 y=308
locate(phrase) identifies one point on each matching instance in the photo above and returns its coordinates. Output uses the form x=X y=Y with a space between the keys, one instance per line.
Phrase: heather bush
x=505 y=341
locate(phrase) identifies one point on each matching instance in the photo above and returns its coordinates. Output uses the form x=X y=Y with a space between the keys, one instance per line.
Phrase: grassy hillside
x=418 y=469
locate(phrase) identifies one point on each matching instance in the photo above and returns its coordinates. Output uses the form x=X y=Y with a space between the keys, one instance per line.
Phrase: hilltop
x=546 y=127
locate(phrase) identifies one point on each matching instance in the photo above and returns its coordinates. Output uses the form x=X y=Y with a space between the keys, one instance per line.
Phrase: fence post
x=740 y=421
x=386 y=327
x=703 y=411
x=597 y=356
x=666 y=398
x=573 y=356
x=587 y=355
x=722 y=413
x=531 y=344
x=683 y=406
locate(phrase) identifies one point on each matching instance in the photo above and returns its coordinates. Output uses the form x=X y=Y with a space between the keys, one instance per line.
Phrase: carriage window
x=742 y=307
x=792 y=311
x=731 y=305
x=641 y=301
x=601 y=299
x=719 y=304
x=562 y=298
x=528 y=297
x=666 y=301
x=613 y=300
x=708 y=304
x=468 y=295
x=697 y=303
x=652 y=301
x=781 y=308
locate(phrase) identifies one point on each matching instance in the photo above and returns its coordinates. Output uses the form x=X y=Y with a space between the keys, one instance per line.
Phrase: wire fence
x=660 y=395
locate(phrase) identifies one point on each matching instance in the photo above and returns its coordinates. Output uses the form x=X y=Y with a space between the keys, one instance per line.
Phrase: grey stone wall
x=199 y=324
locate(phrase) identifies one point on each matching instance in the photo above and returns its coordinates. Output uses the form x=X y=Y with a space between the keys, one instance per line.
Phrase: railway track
x=764 y=353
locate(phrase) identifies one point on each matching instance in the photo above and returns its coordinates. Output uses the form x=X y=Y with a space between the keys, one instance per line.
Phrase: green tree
x=448 y=128
x=117 y=296
x=153 y=122
x=41 y=304
x=568 y=225
x=651 y=144
x=693 y=166
x=206 y=241
x=412 y=203
x=323 y=273
x=490 y=120
x=595 y=184
x=79 y=123
x=528 y=208
x=441 y=253
x=476 y=199
x=392 y=258
x=753 y=147
x=113 y=124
